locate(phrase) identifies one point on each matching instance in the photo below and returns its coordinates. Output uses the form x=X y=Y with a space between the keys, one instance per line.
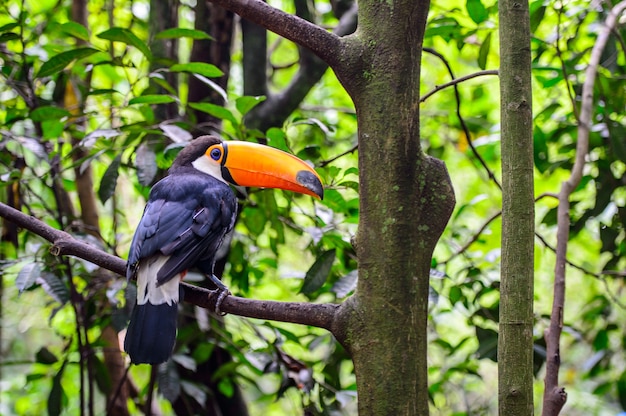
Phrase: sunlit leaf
x=59 y=62
x=202 y=68
x=477 y=11
x=152 y=99
x=246 y=103
x=109 y=180
x=318 y=273
x=276 y=138
x=216 y=111
x=48 y=113
x=179 y=32
x=120 y=34
x=75 y=29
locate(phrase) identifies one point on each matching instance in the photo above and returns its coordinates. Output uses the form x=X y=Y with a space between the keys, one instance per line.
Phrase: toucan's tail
x=151 y=334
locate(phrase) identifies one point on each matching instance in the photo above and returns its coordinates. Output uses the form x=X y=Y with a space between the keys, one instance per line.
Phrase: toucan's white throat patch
x=203 y=164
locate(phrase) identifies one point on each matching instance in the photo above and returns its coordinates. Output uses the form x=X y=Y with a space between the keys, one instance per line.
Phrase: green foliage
x=73 y=97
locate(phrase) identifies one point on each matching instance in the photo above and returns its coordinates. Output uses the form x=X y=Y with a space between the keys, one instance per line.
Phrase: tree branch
x=324 y=44
x=554 y=397
x=63 y=244
x=277 y=107
x=457 y=96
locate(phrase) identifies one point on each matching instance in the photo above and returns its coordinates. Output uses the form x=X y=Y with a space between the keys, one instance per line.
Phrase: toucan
x=187 y=216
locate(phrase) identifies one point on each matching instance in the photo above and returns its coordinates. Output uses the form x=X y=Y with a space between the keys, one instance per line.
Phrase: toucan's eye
x=216 y=154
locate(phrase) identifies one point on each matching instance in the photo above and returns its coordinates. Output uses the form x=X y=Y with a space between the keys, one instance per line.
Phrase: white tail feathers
x=147 y=289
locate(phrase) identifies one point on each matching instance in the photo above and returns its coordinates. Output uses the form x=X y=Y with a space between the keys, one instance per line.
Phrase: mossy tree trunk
x=515 y=341
x=405 y=202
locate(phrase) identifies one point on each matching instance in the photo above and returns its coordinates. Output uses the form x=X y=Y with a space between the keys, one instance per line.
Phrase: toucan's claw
x=218 y=303
x=223 y=292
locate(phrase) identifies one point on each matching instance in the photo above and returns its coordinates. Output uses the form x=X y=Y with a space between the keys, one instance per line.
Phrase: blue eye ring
x=216 y=154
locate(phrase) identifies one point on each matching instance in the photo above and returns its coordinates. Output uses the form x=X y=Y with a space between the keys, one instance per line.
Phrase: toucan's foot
x=223 y=293
x=220 y=298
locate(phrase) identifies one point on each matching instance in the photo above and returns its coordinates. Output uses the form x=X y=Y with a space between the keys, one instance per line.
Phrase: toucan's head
x=250 y=164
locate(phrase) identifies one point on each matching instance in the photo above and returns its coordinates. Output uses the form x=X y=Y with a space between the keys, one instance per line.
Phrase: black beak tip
x=311 y=182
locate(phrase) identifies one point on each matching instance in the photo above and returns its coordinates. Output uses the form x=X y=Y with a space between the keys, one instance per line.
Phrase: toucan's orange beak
x=252 y=164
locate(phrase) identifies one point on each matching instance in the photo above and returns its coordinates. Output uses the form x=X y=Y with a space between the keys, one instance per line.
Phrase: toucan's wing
x=185 y=219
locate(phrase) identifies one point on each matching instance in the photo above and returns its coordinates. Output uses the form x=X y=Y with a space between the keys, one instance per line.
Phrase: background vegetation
x=111 y=99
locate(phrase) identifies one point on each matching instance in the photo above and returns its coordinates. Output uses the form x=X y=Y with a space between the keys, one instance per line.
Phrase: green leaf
x=5 y=37
x=318 y=273
x=169 y=381
x=8 y=26
x=246 y=103
x=483 y=53
x=145 y=160
x=54 y=287
x=621 y=390
x=254 y=219
x=276 y=138
x=455 y=294
x=477 y=11
x=120 y=34
x=27 y=276
x=216 y=111
x=152 y=99
x=75 y=29
x=225 y=386
x=487 y=343
x=55 y=398
x=179 y=32
x=59 y=62
x=346 y=284
x=202 y=68
x=109 y=180
x=45 y=356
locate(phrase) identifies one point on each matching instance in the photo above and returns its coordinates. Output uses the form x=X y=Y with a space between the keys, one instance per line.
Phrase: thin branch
x=63 y=244
x=340 y=155
x=489 y=220
x=554 y=396
x=457 y=81
x=468 y=136
x=324 y=44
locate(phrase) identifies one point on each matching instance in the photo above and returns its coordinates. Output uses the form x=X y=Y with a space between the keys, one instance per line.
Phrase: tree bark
x=406 y=198
x=515 y=341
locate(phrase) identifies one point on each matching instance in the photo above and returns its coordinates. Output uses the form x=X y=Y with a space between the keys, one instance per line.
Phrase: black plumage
x=183 y=225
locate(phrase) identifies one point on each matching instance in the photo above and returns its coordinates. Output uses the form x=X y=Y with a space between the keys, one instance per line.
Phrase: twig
x=554 y=397
x=457 y=81
x=63 y=244
x=468 y=136
x=332 y=159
